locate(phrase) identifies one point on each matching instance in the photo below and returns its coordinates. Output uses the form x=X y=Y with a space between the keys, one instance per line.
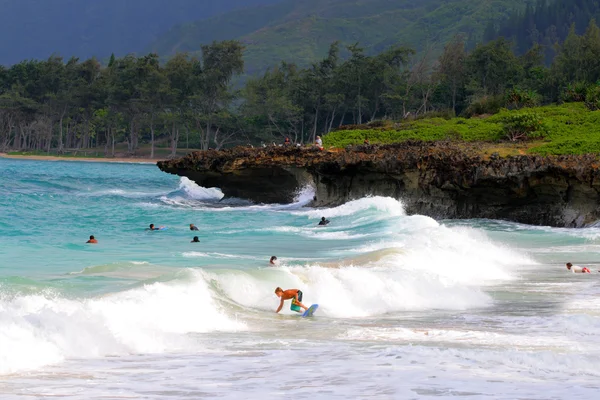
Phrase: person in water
x=153 y=228
x=92 y=240
x=291 y=294
x=193 y=227
x=578 y=269
x=324 y=221
x=273 y=260
x=195 y=240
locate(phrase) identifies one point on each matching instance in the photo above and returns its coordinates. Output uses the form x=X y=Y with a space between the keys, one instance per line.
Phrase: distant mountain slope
x=84 y=28
x=302 y=30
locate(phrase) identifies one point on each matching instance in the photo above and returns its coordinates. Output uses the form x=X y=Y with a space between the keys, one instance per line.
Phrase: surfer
x=193 y=227
x=578 y=269
x=323 y=221
x=152 y=228
x=92 y=240
x=273 y=260
x=291 y=294
x=195 y=240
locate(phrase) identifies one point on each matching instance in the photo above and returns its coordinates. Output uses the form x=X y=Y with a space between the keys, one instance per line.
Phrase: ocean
x=410 y=307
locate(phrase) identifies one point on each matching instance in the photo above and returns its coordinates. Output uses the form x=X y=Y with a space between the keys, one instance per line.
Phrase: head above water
x=323 y=219
x=195 y=240
x=92 y=237
x=569 y=265
x=151 y=226
x=273 y=259
x=278 y=291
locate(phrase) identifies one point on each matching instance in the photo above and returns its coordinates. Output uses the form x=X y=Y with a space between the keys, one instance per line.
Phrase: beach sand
x=138 y=160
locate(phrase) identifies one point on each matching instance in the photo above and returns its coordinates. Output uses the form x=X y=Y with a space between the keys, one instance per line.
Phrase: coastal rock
x=442 y=180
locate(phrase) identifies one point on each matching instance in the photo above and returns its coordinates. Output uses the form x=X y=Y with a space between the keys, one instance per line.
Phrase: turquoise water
x=410 y=307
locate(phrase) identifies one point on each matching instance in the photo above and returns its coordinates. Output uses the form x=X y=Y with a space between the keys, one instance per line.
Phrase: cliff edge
x=442 y=180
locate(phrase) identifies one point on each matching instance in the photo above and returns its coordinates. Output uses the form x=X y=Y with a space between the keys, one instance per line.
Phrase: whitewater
x=410 y=307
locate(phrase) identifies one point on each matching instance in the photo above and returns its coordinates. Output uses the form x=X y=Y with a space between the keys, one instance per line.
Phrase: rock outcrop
x=442 y=180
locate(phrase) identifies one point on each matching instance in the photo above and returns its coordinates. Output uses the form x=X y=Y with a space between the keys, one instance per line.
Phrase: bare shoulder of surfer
x=290 y=294
x=578 y=269
x=92 y=240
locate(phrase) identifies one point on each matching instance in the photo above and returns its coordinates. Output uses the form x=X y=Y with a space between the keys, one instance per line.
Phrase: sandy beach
x=139 y=160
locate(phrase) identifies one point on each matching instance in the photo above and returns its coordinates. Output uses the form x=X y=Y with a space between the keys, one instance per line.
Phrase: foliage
x=517 y=98
x=484 y=105
x=592 y=98
x=567 y=129
x=522 y=125
x=51 y=104
x=575 y=92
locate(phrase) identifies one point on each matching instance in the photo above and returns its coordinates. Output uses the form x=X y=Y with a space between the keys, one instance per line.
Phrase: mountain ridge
x=301 y=31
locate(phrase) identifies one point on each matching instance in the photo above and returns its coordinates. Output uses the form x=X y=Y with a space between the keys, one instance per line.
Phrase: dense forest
x=57 y=105
x=545 y=23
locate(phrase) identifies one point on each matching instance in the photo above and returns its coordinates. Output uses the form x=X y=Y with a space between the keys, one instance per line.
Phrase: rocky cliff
x=442 y=180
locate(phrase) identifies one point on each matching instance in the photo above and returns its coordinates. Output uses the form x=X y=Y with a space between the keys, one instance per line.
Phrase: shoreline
x=124 y=160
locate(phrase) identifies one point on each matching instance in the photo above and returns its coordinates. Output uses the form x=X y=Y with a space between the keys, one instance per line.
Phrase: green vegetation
x=566 y=129
x=301 y=31
x=496 y=93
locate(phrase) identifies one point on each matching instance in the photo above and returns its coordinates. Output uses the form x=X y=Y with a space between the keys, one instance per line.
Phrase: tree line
x=54 y=105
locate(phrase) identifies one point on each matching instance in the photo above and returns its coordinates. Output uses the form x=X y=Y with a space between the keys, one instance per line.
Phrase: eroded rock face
x=440 y=180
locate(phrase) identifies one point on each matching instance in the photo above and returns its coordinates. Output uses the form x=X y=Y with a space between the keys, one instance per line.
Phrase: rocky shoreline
x=441 y=180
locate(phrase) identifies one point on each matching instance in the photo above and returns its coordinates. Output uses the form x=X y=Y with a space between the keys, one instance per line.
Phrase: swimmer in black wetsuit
x=323 y=222
x=195 y=240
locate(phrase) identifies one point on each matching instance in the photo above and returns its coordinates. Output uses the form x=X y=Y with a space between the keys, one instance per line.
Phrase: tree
x=452 y=66
x=221 y=61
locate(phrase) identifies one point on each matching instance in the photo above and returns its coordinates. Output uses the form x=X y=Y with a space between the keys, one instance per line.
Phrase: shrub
x=485 y=105
x=592 y=98
x=574 y=92
x=517 y=99
x=523 y=125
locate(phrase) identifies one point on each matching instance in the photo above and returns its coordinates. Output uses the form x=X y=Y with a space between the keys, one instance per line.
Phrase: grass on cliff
x=570 y=129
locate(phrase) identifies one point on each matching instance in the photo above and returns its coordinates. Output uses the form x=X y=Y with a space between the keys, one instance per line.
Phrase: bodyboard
x=311 y=310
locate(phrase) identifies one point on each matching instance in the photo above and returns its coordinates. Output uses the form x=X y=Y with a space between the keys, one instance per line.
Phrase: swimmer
x=193 y=227
x=323 y=221
x=291 y=294
x=195 y=240
x=92 y=240
x=578 y=269
x=273 y=261
x=152 y=228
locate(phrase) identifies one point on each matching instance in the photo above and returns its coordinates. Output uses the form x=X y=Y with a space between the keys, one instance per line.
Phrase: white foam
x=40 y=330
x=193 y=191
x=384 y=205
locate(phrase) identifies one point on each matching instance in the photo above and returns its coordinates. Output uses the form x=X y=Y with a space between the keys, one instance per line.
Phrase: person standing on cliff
x=319 y=142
